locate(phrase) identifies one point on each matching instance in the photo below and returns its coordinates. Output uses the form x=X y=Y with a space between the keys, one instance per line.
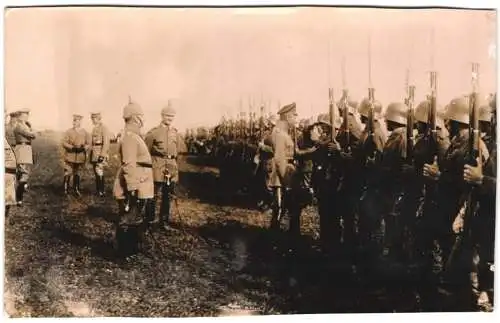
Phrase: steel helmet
x=458 y=110
x=324 y=119
x=485 y=112
x=397 y=112
x=422 y=113
x=364 y=107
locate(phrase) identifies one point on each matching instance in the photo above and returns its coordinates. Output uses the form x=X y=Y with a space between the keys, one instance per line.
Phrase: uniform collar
x=133 y=128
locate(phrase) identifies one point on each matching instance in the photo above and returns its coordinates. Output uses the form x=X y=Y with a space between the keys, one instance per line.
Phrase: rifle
x=345 y=122
x=470 y=203
x=370 y=145
x=410 y=139
x=332 y=113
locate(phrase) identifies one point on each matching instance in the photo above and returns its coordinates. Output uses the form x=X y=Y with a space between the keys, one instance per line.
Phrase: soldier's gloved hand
x=474 y=175
x=332 y=147
x=100 y=159
x=432 y=171
x=458 y=224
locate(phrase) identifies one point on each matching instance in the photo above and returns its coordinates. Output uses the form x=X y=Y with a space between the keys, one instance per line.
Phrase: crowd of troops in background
x=415 y=184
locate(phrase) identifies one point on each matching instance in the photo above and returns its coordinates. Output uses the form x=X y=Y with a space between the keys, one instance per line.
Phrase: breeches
x=72 y=168
x=24 y=172
x=99 y=168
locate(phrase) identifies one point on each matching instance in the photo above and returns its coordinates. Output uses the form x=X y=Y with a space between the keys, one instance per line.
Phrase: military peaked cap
x=95 y=114
x=288 y=109
x=77 y=117
x=25 y=110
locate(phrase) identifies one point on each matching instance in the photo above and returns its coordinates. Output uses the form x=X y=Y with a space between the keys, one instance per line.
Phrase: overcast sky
x=59 y=61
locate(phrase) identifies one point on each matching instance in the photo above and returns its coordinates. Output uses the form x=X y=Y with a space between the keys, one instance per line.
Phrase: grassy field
x=60 y=261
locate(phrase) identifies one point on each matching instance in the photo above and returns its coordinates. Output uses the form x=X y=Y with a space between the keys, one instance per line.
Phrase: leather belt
x=9 y=170
x=164 y=156
x=145 y=165
x=23 y=143
x=94 y=145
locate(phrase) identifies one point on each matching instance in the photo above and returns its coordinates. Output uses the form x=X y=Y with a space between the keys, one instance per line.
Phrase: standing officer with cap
x=24 y=152
x=164 y=143
x=76 y=143
x=101 y=138
x=134 y=179
x=283 y=147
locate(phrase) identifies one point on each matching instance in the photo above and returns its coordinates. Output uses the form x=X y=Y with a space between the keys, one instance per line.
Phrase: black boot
x=135 y=214
x=150 y=212
x=66 y=184
x=20 y=193
x=101 y=189
x=97 y=185
x=165 y=207
x=76 y=185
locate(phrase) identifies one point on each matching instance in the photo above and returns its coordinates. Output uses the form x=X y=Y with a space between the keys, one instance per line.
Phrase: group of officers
x=148 y=163
x=380 y=202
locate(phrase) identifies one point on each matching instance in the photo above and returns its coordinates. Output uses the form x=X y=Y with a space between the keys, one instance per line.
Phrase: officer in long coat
x=76 y=143
x=134 y=179
x=283 y=167
x=24 y=135
x=99 y=152
x=165 y=144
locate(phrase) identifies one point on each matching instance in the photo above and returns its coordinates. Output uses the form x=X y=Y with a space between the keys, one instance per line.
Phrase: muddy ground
x=219 y=259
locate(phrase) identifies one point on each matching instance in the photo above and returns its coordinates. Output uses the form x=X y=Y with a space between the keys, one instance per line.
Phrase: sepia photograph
x=248 y=161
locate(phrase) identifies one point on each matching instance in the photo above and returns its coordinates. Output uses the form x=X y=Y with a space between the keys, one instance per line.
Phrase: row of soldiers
x=409 y=185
